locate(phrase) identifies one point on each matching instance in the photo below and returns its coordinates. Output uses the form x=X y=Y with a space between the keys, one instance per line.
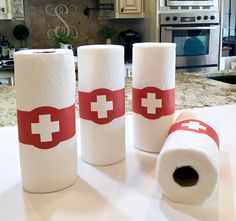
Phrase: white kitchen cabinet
x=17 y=9
x=5 y=9
x=129 y=9
x=12 y=9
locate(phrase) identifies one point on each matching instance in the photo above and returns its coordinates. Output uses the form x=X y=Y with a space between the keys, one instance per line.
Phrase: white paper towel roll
x=45 y=88
x=153 y=93
x=187 y=167
x=102 y=103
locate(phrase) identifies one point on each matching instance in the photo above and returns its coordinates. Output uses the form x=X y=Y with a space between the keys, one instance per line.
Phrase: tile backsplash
x=46 y=17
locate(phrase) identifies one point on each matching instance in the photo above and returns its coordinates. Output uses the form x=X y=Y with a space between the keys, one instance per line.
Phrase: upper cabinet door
x=129 y=9
x=17 y=9
x=130 y=6
x=5 y=9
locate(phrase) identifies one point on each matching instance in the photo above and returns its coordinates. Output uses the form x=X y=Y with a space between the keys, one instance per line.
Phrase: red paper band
x=102 y=105
x=196 y=126
x=45 y=127
x=153 y=103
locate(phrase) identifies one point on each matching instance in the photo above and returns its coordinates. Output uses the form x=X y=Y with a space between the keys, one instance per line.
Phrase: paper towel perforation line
x=186 y=176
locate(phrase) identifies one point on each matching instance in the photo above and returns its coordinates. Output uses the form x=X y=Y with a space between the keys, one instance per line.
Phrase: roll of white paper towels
x=153 y=93
x=102 y=103
x=45 y=98
x=187 y=167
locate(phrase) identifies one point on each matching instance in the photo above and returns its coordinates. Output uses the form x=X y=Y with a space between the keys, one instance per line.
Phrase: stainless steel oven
x=190 y=3
x=196 y=37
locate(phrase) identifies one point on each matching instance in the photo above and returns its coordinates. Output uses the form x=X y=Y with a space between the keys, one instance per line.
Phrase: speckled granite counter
x=198 y=91
x=192 y=90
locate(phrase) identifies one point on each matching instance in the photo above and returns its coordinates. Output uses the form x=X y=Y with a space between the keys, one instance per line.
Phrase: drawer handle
x=122 y=10
x=3 y=9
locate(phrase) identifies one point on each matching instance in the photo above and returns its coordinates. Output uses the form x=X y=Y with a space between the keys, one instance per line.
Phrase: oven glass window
x=191 y=42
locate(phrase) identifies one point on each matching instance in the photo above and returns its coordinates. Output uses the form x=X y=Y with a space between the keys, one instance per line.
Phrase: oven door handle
x=190 y=28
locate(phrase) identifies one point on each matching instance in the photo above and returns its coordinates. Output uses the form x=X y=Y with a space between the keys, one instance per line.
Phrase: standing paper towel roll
x=187 y=167
x=102 y=103
x=45 y=89
x=153 y=93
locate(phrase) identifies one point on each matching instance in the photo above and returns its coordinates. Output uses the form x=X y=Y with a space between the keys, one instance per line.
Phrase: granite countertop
x=192 y=90
x=199 y=91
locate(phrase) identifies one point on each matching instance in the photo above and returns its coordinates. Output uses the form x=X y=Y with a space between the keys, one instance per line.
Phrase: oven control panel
x=208 y=17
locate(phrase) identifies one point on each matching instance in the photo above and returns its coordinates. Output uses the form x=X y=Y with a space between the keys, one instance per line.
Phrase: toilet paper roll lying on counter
x=153 y=94
x=102 y=103
x=187 y=167
x=45 y=87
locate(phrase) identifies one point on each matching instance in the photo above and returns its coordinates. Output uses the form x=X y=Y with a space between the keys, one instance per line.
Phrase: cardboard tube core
x=186 y=176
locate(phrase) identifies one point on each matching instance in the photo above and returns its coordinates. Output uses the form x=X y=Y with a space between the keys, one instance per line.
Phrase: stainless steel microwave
x=190 y=3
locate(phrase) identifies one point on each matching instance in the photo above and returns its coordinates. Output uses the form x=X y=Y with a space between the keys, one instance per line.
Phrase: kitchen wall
x=44 y=17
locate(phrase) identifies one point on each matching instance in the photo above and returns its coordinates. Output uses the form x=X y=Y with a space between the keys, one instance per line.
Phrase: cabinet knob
x=122 y=10
x=2 y=9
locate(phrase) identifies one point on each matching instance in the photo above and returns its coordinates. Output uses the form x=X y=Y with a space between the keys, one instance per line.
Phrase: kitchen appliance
x=190 y=3
x=230 y=39
x=127 y=38
x=196 y=35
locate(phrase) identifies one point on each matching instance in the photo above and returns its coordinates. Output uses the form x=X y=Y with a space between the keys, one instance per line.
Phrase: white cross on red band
x=102 y=105
x=45 y=127
x=196 y=126
x=153 y=103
